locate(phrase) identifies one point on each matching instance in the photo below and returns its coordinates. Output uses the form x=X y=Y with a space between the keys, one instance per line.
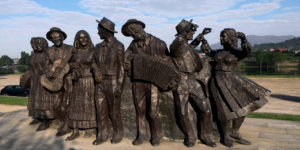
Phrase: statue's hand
x=241 y=35
x=206 y=31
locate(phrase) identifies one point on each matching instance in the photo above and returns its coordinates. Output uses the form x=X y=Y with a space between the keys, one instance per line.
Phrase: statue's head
x=106 y=28
x=33 y=44
x=82 y=40
x=41 y=44
x=186 y=29
x=228 y=38
x=135 y=29
x=56 y=36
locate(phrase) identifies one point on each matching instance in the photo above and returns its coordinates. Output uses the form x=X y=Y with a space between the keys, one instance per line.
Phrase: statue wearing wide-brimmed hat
x=109 y=74
x=145 y=48
x=57 y=78
x=107 y=24
x=55 y=29
x=189 y=88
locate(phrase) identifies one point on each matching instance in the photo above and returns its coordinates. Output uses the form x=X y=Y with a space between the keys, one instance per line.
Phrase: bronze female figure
x=81 y=106
x=233 y=96
x=38 y=96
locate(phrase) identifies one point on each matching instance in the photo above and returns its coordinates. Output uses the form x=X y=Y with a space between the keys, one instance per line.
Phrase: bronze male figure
x=109 y=74
x=58 y=79
x=146 y=94
x=189 y=89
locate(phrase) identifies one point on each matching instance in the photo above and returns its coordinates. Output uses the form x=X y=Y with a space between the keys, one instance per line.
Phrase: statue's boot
x=74 y=135
x=99 y=141
x=236 y=124
x=116 y=138
x=138 y=141
x=34 y=121
x=44 y=125
x=188 y=143
x=155 y=141
x=206 y=130
x=207 y=140
x=227 y=140
x=64 y=129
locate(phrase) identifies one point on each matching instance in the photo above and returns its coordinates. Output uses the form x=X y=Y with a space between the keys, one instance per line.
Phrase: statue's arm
x=246 y=47
x=121 y=70
x=128 y=56
x=206 y=48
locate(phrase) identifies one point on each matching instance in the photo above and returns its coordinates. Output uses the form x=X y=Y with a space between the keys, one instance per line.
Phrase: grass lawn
x=12 y=100
x=272 y=76
x=274 y=116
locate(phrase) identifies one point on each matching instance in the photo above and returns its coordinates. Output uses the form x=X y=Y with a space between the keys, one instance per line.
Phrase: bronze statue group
x=81 y=85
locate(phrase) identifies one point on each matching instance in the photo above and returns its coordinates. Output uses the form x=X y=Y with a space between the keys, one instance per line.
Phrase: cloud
x=22 y=19
x=166 y=8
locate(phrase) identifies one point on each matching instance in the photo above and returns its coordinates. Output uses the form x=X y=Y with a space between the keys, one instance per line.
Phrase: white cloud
x=31 y=19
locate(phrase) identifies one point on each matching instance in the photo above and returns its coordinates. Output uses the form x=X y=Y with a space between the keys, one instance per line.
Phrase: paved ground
x=16 y=134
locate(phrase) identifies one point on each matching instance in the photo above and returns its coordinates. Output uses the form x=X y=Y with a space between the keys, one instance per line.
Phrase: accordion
x=155 y=70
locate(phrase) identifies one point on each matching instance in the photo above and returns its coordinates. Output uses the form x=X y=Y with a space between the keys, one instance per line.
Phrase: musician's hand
x=98 y=78
x=206 y=31
x=49 y=74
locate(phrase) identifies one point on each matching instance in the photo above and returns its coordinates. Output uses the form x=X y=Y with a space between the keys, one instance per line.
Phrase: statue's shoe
x=208 y=142
x=42 y=126
x=138 y=141
x=227 y=142
x=34 y=121
x=116 y=139
x=237 y=138
x=189 y=143
x=72 y=137
x=63 y=132
x=155 y=141
x=98 y=141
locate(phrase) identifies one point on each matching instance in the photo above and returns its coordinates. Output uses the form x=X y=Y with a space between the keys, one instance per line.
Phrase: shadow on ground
x=15 y=133
x=286 y=97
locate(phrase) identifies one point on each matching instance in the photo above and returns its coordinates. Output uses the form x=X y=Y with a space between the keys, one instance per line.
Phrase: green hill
x=292 y=44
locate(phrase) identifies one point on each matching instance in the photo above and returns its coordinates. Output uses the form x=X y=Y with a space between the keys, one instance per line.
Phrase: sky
x=22 y=19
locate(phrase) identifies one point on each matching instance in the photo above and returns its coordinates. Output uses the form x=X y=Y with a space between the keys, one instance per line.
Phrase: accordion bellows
x=155 y=70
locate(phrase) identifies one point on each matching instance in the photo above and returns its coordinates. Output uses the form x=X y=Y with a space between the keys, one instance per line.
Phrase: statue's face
x=190 y=34
x=34 y=46
x=83 y=39
x=57 y=38
x=137 y=32
x=39 y=46
x=102 y=33
x=224 y=39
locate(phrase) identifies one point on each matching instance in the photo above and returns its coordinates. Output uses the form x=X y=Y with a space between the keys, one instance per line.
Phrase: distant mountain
x=257 y=39
x=291 y=44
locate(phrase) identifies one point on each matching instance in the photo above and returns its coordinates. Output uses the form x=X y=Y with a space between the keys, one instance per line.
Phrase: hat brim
x=113 y=31
x=49 y=33
x=124 y=27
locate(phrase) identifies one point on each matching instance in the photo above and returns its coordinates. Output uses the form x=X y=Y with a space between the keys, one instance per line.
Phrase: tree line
x=7 y=64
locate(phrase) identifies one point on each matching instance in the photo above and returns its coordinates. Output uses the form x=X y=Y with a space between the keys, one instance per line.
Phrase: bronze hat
x=107 y=24
x=184 y=25
x=129 y=22
x=57 y=30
